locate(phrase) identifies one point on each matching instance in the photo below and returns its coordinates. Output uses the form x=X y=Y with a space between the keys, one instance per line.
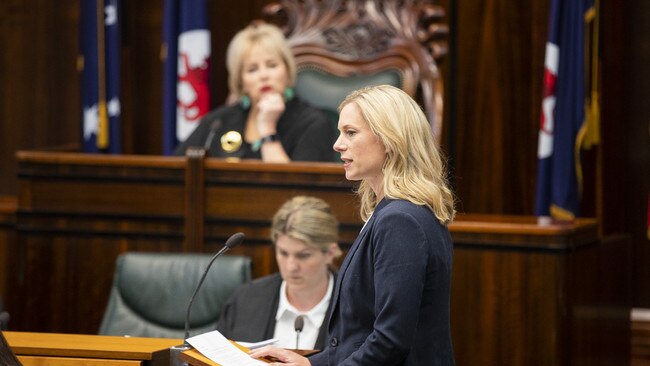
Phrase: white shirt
x=286 y=316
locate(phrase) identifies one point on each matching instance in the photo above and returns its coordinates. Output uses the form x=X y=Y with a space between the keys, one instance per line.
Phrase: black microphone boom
x=214 y=126
x=234 y=240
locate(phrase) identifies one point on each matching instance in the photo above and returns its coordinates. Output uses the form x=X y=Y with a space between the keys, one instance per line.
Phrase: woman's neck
x=307 y=299
x=377 y=186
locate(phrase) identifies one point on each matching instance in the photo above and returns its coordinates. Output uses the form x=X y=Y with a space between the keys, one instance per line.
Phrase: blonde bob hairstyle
x=413 y=167
x=308 y=219
x=260 y=34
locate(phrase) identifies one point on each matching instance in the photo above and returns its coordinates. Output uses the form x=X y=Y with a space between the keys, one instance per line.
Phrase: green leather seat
x=151 y=292
x=326 y=91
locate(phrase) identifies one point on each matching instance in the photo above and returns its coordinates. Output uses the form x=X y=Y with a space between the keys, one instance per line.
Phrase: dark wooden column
x=8 y=206
x=194 y=199
x=530 y=293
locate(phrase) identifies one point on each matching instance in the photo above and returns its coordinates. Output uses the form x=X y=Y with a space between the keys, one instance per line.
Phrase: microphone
x=298 y=325
x=213 y=131
x=4 y=320
x=235 y=239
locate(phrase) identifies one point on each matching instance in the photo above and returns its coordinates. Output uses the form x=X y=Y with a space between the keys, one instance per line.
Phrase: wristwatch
x=258 y=144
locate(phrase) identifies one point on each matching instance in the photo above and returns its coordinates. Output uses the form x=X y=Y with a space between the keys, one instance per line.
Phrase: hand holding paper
x=217 y=348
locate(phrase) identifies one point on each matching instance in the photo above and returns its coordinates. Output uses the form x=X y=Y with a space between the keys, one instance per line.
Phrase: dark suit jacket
x=305 y=133
x=249 y=314
x=391 y=303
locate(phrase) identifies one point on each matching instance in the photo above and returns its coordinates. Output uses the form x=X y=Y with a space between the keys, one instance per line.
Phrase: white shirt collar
x=321 y=307
x=313 y=319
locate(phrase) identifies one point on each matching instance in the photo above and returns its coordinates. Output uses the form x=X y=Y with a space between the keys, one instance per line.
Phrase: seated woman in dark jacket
x=304 y=234
x=269 y=122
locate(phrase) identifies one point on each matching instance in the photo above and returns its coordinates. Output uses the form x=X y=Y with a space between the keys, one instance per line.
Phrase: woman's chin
x=351 y=176
x=295 y=285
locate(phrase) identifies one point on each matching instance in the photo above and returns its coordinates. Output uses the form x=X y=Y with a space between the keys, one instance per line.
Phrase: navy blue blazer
x=391 y=302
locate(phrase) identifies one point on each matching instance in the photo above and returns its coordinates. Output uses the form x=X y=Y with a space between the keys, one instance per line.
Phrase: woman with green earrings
x=268 y=122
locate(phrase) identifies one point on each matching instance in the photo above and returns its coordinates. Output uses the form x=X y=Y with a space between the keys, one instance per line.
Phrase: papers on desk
x=217 y=348
x=258 y=344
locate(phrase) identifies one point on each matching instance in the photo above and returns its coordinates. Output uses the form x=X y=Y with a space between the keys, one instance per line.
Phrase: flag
x=563 y=111
x=186 y=56
x=100 y=64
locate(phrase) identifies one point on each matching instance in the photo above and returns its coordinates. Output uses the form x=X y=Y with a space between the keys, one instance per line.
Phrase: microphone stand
x=298 y=325
x=213 y=130
x=175 y=351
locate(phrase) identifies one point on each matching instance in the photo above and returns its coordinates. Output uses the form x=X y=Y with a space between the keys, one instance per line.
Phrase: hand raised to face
x=269 y=109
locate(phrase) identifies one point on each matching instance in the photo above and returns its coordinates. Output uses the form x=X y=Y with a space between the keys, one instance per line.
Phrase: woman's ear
x=333 y=250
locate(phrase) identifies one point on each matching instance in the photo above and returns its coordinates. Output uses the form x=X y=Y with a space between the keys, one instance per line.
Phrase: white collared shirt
x=286 y=316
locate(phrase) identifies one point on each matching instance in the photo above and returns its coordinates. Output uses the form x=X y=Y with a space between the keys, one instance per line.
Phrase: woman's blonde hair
x=308 y=219
x=413 y=167
x=265 y=35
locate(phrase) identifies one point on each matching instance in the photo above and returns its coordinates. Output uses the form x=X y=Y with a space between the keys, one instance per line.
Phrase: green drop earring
x=245 y=102
x=288 y=94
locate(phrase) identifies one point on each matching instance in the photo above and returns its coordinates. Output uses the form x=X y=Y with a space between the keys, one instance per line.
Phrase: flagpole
x=102 y=130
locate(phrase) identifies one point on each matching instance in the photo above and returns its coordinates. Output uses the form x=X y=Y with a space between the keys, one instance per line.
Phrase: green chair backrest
x=151 y=292
x=327 y=91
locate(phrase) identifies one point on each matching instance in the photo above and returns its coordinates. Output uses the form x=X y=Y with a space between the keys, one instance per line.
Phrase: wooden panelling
x=75 y=216
x=501 y=313
x=492 y=81
x=500 y=295
x=142 y=80
x=524 y=292
x=499 y=69
x=8 y=206
x=635 y=142
x=39 y=83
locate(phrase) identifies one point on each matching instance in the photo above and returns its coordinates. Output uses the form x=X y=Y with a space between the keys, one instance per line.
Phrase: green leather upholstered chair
x=151 y=291
x=343 y=45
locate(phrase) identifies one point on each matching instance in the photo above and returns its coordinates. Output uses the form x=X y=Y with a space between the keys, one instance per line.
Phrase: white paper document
x=217 y=348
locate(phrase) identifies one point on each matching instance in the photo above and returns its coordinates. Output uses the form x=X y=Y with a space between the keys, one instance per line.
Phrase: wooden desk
x=54 y=349
x=195 y=358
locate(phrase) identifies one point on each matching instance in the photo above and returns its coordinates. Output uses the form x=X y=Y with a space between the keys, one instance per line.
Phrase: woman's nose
x=293 y=265
x=338 y=145
x=264 y=73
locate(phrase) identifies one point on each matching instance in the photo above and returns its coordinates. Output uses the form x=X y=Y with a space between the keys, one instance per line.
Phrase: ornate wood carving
x=363 y=28
x=357 y=37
